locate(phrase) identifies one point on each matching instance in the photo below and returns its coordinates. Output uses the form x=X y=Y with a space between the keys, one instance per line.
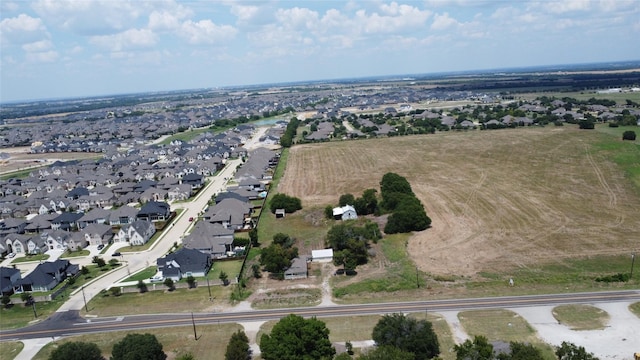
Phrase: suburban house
x=137 y=233
x=184 y=263
x=230 y=213
x=76 y=242
x=47 y=276
x=9 y=278
x=346 y=212
x=212 y=239
x=154 y=211
x=123 y=215
x=66 y=221
x=97 y=234
x=324 y=255
x=297 y=270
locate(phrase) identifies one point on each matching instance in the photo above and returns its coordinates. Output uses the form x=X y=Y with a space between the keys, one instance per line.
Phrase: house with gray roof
x=137 y=233
x=297 y=270
x=123 y=215
x=212 y=239
x=47 y=276
x=184 y=262
x=154 y=211
x=9 y=278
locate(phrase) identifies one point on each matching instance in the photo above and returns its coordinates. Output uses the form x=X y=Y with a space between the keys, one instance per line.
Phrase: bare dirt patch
x=498 y=199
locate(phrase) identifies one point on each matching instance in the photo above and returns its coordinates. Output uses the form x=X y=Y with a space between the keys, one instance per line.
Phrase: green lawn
x=10 y=349
x=143 y=275
x=28 y=258
x=581 y=317
x=635 y=308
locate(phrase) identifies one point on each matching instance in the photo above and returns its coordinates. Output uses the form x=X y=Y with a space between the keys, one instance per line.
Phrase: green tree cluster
x=350 y=243
x=238 y=347
x=277 y=257
x=629 y=135
x=407 y=212
x=286 y=140
x=138 y=347
x=296 y=338
x=76 y=350
x=407 y=334
x=290 y=204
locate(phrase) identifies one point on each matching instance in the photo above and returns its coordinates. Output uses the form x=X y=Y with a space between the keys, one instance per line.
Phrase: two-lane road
x=70 y=323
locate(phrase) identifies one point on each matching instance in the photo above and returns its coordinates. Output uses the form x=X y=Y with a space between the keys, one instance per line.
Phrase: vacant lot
x=499 y=200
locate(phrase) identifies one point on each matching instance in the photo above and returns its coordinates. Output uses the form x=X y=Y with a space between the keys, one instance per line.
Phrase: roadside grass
x=635 y=308
x=581 y=317
x=18 y=315
x=10 y=349
x=21 y=174
x=288 y=298
x=503 y=325
x=176 y=341
x=626 y=154
x=142 y=275
x=159 y=301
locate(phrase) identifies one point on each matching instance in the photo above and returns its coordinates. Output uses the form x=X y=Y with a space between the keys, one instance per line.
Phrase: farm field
x=500 y=201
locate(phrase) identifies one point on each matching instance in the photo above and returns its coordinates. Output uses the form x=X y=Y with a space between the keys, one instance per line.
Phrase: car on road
x=101 y=246
x=191 y=219
x=117 y=253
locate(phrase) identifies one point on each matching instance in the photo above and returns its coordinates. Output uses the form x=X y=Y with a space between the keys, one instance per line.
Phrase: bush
x=629 y=135
x=619 y=277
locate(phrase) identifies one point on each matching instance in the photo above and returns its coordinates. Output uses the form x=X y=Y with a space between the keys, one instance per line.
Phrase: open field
x=500 y=201
x=19 y=159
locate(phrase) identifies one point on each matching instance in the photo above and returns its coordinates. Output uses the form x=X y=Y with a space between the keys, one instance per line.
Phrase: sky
x=52 y=49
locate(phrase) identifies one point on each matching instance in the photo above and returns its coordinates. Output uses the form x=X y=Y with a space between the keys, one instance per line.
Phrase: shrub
x=629 y=135
x=619 y=277
x=290 y=204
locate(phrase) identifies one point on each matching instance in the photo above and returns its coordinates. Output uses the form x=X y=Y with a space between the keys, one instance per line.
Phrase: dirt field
x=498 y=199
x=19 y=158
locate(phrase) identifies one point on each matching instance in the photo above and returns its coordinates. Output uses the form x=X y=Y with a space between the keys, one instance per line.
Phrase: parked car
x=11 y=255
x=101 y=246
x=191 y=219
x=117 y=253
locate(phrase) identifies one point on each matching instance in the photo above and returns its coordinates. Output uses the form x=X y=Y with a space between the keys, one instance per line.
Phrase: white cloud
x=43 y=56
x=37 y=46
x=244 y=13
x=130 y=39
x=95 y=17
x=22 y=29
x=395 y=18
x=442 y=22
x=206 y=32
x=8 y=6
x=297 y=18
x=564 y=6
x=169 y=18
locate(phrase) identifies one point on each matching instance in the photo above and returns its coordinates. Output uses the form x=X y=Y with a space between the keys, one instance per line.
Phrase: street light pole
x=195 y=335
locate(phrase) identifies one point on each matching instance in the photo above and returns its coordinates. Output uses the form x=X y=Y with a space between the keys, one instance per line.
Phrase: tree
x=76 y=350
x=141 y=286
x=168 y=282
x=283 y=240
x=255 y=268
x=387 y=352
x=290 y=204
x=224 y=278
x=328 y=212
x=346 y=199
x=138 y=347
x=570 y=351
x=191 y=281
x=521 y=351
x=629 y=135
x=478 y=349
x=276 y=259
x=253 y=236
x=407 y=334
x=238 y=347
x=6 y=300
x=98 y=261
x=295 y=338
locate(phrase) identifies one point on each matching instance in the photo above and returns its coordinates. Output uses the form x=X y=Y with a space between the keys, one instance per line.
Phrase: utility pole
x=417 y=278
x=195 y=335
x=33 y=305
x=85 y=300
x=209 y=288
x=633 y=259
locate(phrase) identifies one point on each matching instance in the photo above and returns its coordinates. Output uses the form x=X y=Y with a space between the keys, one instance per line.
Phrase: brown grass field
x=499 y=200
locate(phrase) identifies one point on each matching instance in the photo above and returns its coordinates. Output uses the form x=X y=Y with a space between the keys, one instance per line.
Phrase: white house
x=346 y=212
x=137 y=233
x=324 y=255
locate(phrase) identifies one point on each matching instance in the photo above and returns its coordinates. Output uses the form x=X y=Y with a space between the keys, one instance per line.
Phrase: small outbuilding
x=324 y=255
x=280 y=213
x=297 y=270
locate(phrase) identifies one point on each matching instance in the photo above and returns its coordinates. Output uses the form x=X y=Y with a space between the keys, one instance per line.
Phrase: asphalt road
x=70 y=323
